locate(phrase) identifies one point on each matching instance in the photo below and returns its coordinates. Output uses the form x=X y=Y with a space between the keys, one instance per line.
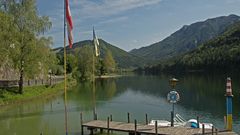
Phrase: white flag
x=96 y=43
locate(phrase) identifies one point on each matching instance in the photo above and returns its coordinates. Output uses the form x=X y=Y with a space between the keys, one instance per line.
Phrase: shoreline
x=33 y=93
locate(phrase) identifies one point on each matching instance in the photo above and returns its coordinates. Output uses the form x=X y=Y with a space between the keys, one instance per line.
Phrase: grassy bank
x=10 y=95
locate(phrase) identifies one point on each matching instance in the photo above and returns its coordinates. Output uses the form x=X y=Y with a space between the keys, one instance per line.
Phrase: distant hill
x=221 y=53
x=122 y=58
x=187 y=38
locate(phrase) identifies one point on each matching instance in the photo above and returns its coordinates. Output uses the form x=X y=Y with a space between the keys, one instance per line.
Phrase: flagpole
x=65 y=72
x=93 y=83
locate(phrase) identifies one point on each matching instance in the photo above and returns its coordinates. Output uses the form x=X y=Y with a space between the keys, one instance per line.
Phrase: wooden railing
x=32 y=82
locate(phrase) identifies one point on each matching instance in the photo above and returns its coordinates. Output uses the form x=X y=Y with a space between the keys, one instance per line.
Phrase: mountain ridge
x=122 y=57
x=186 y=38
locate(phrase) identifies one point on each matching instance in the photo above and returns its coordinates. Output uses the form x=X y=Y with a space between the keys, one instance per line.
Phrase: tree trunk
x=20 y=90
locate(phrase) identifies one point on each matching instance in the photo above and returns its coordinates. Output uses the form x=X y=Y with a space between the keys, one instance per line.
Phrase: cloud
x=114 y=20
x=104 y=8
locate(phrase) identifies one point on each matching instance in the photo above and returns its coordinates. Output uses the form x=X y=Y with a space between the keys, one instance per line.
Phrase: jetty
x=138 y=128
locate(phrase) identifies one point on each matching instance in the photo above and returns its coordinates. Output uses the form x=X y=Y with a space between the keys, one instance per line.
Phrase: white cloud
x=113 y=20
x=109 y=7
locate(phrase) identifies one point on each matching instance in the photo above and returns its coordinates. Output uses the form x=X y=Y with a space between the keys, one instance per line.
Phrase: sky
x=130 y=24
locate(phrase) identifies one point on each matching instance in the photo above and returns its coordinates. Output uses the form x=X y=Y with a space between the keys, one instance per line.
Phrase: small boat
x=180 y=121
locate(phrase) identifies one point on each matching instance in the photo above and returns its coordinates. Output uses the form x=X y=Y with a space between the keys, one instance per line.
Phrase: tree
x=109 y=62
x=85 y=62
x=30 y=50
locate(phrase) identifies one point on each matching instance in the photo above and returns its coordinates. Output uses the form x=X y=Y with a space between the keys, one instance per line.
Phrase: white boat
x=180 y=121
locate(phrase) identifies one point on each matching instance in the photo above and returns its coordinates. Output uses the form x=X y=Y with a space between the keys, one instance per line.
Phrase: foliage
x=109 y=62
x=85 y=62
x=31 y=55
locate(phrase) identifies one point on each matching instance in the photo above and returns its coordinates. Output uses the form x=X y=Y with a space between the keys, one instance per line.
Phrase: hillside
x=222 y=53
x=187 y=38
x=122 y=58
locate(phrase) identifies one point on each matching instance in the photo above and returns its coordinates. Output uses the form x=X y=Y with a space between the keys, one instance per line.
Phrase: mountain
x=187 y=38
x=121 y=57
x=221 y=53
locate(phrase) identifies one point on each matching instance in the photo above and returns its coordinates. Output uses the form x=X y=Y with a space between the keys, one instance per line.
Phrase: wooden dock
x=137 y=129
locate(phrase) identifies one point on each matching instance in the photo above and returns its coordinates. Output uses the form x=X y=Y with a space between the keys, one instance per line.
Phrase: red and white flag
x=69 y=24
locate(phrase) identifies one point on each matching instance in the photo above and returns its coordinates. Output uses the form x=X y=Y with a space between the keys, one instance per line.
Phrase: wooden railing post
x=156 y=128
x=203 y=129
x=108 y=125
x=81 y=122
x=212 y=130
x=146 y=118
x=198 y=121
x=135 y=127
x=128 y=117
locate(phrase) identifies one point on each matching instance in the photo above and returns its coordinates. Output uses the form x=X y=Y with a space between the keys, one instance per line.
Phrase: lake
x=200 y=95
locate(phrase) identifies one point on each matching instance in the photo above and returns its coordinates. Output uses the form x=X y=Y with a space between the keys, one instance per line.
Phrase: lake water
x=200 y=95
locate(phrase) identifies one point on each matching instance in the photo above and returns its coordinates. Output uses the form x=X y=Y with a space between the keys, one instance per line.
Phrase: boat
x=180 y=121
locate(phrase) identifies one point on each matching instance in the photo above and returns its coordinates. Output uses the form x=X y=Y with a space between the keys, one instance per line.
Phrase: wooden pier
x=137 y=129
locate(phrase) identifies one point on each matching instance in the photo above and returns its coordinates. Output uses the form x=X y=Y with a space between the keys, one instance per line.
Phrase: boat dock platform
x=138 y=129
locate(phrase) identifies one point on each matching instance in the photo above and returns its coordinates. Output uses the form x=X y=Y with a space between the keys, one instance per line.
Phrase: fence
x=34 y=82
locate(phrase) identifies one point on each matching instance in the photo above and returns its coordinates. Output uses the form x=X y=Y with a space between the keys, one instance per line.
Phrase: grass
x=10 y=95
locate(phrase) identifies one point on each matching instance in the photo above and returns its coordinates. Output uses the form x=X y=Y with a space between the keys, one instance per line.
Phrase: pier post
x=198 y=121
x=81 y=123
x=216 y=130
x=172 y=116
x=128 y=117
x=108 y=125
x=212 y=130
x=146 y=116
x=110 y=117
x=229 y=97
x=203 y=129
x=135 y=127
x=156 y=128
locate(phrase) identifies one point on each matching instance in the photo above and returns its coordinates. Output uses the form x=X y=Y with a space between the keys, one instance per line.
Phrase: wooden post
x=203 y=129
x=216 y=130
x=146 y=116
x=81 y=122
x=135 y=127
x=42 y=81
x=28 y=83
x=108 y=125
x=110 y=117
x=156 y=128
x=128 y=117
x=172 y=116
x=198 y=121
x=212 y=130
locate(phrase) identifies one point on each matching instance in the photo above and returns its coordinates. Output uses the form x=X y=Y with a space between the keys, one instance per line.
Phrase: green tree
x=26 y=54
x=85 y=62
x=109 y=62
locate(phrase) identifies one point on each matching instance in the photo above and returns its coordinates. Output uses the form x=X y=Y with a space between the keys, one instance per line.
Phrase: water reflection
x=200 y=94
